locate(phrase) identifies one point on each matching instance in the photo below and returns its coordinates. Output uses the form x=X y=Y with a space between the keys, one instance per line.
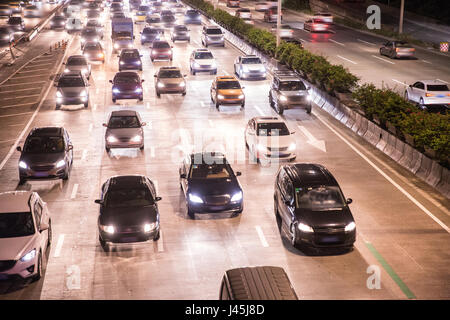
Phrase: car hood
x=123 y=40
x=230 y=92
x=77 y=67
x=124 y=132
x=71 y=90
x=41 y=158
x=276 y=141
x=254 y=67
x=205 y=62
x=129 y=216
x=171 y=80
x=213 y=187
x=15 y=248
x=321 y=219
x=130 y=60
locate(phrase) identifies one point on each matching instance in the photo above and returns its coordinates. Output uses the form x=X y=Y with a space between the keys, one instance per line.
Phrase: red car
x=161 y=50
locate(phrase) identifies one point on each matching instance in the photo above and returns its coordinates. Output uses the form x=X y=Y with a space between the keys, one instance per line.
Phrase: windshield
x=170 y=74
x=168 y=18
x=70 y=82
x=180 y=28
x=319 y=198
x=89 y=32
x=44 y=145
x=437 y=87
x=292 y=86
x=129 y=198
x=272 y=129
x=203 y=55
x=123 y=122
x=130 y=55
x=210 y=171
x=402 y=45
x=213 y=31
x=126 y=79
x=228 y=85
x=192 y=13
x=143 y=8
x=162 y=45
x=92 y=46
x=76 y=62
x=16 y=224
x=149 y=31
x=15 y=20
x=153 y=19
x=251 y=61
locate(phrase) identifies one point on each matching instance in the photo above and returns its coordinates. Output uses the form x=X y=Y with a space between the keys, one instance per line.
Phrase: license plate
x=41 y=174
x=330 y=239
x=129 y=239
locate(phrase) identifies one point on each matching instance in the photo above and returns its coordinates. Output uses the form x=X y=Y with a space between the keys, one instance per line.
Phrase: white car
x=269 y=138
x=249 y=67
x=324 y=16
x=427 y=93
x=263 y=5
x=202 y=60
x=285 y=31
x=25 y=234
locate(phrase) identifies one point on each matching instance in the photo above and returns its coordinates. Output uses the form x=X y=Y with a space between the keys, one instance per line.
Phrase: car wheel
x=279 y=109
x=103 y=244
x=141 y=148
x=217 y=105
x=114 y=100
x=107 y=149
x=183 y=94
x=158 y=94
x=381 y=52
x=86 y=104
x=157 y=236
x=308 y=110
x=140 y=69
x=58 y=106
x=243 y=106
x=120 y=69
x=49 y=237
x=215 y=71
x=421 y=104
x=152 y=60
x=193 y=72
x=254 y=156
x=141 y=98
x=190 y=213
x=38 y=268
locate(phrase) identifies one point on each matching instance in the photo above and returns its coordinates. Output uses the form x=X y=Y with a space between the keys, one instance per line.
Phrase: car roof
x=250 y=56
x=226 y=78
x=197 y=158
x=267 y=120
x=123 y=113
x=126 y=181
x=310 y=174
x=427 y=82
x=129 y=51
x=15 y=201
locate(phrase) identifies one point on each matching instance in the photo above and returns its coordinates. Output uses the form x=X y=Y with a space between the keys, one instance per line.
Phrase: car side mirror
x=243 y=88
x=410 y=85
x=238 y=173
x=143 y=124
x=98 y=201
x=43 y=227
x=19 y=149
x=183 y=176
x=142 y=80
x=158 y=199
x=105 y=125
x=349 y=200
x=287 y=202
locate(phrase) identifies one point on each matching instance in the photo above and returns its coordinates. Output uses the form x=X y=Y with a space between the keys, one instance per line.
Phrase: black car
x=130 y=59
x=128 y=210
x=127 y=85
x=47 y=154
x=16 y=23
x=58 y=22
x=210 y=185
x=180 y=32
x=148 y=34
x=312 y=207
x=192 y=17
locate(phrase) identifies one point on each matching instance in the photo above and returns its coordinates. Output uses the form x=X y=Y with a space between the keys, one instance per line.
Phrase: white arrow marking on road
x=319 y=144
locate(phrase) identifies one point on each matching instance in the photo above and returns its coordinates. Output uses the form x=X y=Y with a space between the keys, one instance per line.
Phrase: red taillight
x=412 y=49
x=397 y=49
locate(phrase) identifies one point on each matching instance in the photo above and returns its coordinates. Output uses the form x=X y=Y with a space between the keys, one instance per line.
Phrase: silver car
x=78 y=63
x=170 y=80
x=73 y=88
x=249 y=67
x=212 y=35
x=124 y=130
x=202 y=60
x=430 y=95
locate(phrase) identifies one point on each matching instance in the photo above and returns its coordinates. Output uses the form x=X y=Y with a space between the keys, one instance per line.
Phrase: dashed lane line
x=343 y=58
x=59 y=246
x=383 y=59
x=261 y=236
x=74 y=191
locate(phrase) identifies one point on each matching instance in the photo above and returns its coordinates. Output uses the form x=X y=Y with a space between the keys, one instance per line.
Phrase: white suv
x=25 y=234
x=427 y=93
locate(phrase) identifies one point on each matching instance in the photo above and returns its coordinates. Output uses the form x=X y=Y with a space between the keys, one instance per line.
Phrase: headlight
x=245 y=69
x=84 y=70
x=292 y=146
x=219 y=96
x=23 y=165
x=59 y=94
x=143 y=37
x=100 y=55
x=138 y=62
x=130 y=45
x=149 y=226
x=237 y=196
x=60 y=163
x=95 y=39
x=116 y=46
x=309 y=98
x=83 y=40
x=83 y=93
x=111 y=139
x=283 y=98
x=136 y=139
x=154 y=52
x=196 y=65
x=160 y=85
x=30 y=255
x=115 y=90
x=121 y=63
x=107 y=229
x=241 y=96
x=305 y=228
x=138 y=90
x=182 y=84
x=261 y=147
x=350 y=227
x=66 y=70
x=195 y=199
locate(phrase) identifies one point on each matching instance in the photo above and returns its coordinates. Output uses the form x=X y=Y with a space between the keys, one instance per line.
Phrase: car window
x=203 y=55
x=228 y=85
x=181 y=28
x=213 y=31
x=169 y=74
x=272 y=129
x=292 y=85
x=210 y=171
x=251 y=61
x=117 y=122
x=168 y=18
x=419 y=85
x=437 y=87
x=130 y=55
x=122 y=79
x=161 y=45
x=38 y=214
x=319 y=198
x=76 y=62
x=16 y=224
x=129 y=198
x=44 y=144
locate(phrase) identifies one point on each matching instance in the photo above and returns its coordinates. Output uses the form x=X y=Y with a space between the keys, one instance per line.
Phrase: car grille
x=42 y=168
x=330 y=230
x=71 y=94
x=231 y=97
x=205 y=66
x=277 y=149
x=6 y=264
x=129 y=229
x=256 y=71
x=124 y=139
x=172 y=85
x=217 y=200
x=295 y=98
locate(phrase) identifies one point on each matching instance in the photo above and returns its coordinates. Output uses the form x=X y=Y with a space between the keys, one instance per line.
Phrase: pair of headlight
x=112 y=139
x=196 y=199
x=59 y=164
x=147 y=227
x=306 y=228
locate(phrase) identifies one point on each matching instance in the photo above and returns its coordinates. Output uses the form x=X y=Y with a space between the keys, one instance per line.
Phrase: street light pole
x=402 y=9
x=278 y=22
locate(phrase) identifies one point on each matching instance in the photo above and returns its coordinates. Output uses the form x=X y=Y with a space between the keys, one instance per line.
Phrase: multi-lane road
x=402 y=223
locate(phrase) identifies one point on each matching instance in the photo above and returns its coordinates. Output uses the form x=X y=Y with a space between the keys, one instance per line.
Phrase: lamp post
x=402 y=9
x=278 y=22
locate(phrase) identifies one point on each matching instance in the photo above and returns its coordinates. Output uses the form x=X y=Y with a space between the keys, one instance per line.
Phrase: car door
x=282 y=199
x=213 y=90
x=416 y=92
x=184 y=170
x=37 y=209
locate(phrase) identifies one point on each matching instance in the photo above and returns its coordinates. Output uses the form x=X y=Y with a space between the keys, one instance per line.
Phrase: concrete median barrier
x=410 y=159
x=435 y=175
x=425 y=168
x=444 y=185
x=363 y=127
x=372 y=134
x=381 y=145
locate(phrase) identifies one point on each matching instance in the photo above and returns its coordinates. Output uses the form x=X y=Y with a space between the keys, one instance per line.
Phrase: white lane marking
x=442 y=81
x=346 y=59
x=18 y=105
x=210 y=122
x=21 y=97
x=13 y=115
x=21 y=83
x=83 y=156
x=383 y=59
x=366 y=42
x=319 y=144
x=339 y=43
x=59 y=246
x=402 y=83
x=160 y=241
x=259 y=111
x=148 y=105
x=261 y=236
x=3 y=141
x=426 y=61
x=26 y=77
x=225 y=71
x=152 y=152
x=90 y=127
x=74 y=191
x=15 y=125
x=37 y=64
x=94 y=107
x=410 y=197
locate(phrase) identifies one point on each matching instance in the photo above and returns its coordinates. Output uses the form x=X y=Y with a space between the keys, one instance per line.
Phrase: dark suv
x=312 y=207
x=47 y=154
x=288 y=91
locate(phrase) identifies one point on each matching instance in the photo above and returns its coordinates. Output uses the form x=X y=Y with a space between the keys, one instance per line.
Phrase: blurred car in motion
x=243 y=13
x=430 y=95
x=249 y=67
x=168 y=21
x=16 y=23
x=92 y=23
x=72 y=89
x=149 y=34
x=315 y=25
x=32 y=11
x=179 y=8
x=233 y=3
x=286 y=32
x=25 y=235
x=161 y=50
x=47 y=154
x=262 y=6
x=127 y=85
x=180 y=33
x=5 y=10
x=288 y=91
x=93 y=51
x=271 y=15
x=128 y=211
x=192 y=17
x=58 y=22
x=324 y=17
x=130 y=59
x=170 y=80
x=312 y=207
x=73 y=25
x=210 y=185
x=124 y=130
x=16 y=6
x=397 y=49
x=269 y=138
x=154 y=20
x=297 y=42
x=141 y=14
x=226 y=90
x=118 y=15
x=248 y=20
x=212 y=35
x=93 y=14
x=202 y=60
x=78 y=63
x=88 y=35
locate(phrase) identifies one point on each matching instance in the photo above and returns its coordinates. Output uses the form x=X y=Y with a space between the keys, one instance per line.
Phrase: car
x=58 y=22
x=249 y=67
x=130 y=59
x=202 y=60
x=192 y=17
x=170 y=80
x=210 y=185
x=134 y=4
x=430 y=95
x=6 y=35
x=288 y=91
x=124 y=129
x=128 y=211
x=94 y=6
x=32 y=11
x=226 y=90
x=233 y=3
x=271 y=15
x=269 y=138
x=93 y=51
x=248 y=20
x=88 y=35
x=92 y=14
x=243 y=13
x=161 y=50
x=115 y=7
x=78 y=63
x=73 y=25
x=180 y=32
x=149 y=34
x=166 y=12
x=5 y=11
x=141 y=15
x=262 y=6
x=16 y=6
x=127 y=85
x=47 y=154
x=72 y=89
x=25 y=235
x=153 y=20
x=312 y=208
x=316 y=25
x=118 y=15
x=397 y=49
x=16 y=23
x=93 y=23
x=179 y=8
x=168 y=21
x=324 y=16
x=286 y=32
x=212 y=35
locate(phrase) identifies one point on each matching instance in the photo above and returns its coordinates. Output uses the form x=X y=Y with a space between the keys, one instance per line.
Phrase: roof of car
x=250 y=56
x=127 y=74
x=432 y=82
x=310 y=174
x=123 y=113
x=226 y=78
x=47 y=131
x=15 y=201
x=202 y=50
x=129 y=51
x=129 y=181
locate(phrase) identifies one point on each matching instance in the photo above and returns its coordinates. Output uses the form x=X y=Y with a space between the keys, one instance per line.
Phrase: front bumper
x=205 y=68
x=127 y=95
x=231 y=101
x=205 y=208
x=193 y=21
x=218 y=42
x=44 y=173
x=181 y=37
x=121 y=46
x=277 y=155
x=161 y=56
x=21 y=270
x=254 y=75
x=124 y=144
x=129 y=236
x=176 y=89
x=94 y=57
x=326 y=239
x=295 y=105
x=130 y=66
x=72 y=100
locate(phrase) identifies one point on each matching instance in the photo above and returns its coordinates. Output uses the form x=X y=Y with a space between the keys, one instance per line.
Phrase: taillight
x=429 y=94
x=412 y=49
x=397 y=49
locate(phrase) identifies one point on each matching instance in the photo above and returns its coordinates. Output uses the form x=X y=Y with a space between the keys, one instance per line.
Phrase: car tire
x=152 y=60
x=141 y=98
x=103 y=244
x=107 y=149
x=66 y=175
x=142 y=148
x=293 y=229
x=86 y=104
x=140 y=69
x=217 y=105
x=38 y=268
x=421 y=103
x=158 y=94
x=49 y=237
x=114 y=100
x=22 y=181
x=183 y=94
x=157 y=236
x=243 y=106
x=58 y=106
x=381 y=52
x=190 y=213
x=308 y=110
